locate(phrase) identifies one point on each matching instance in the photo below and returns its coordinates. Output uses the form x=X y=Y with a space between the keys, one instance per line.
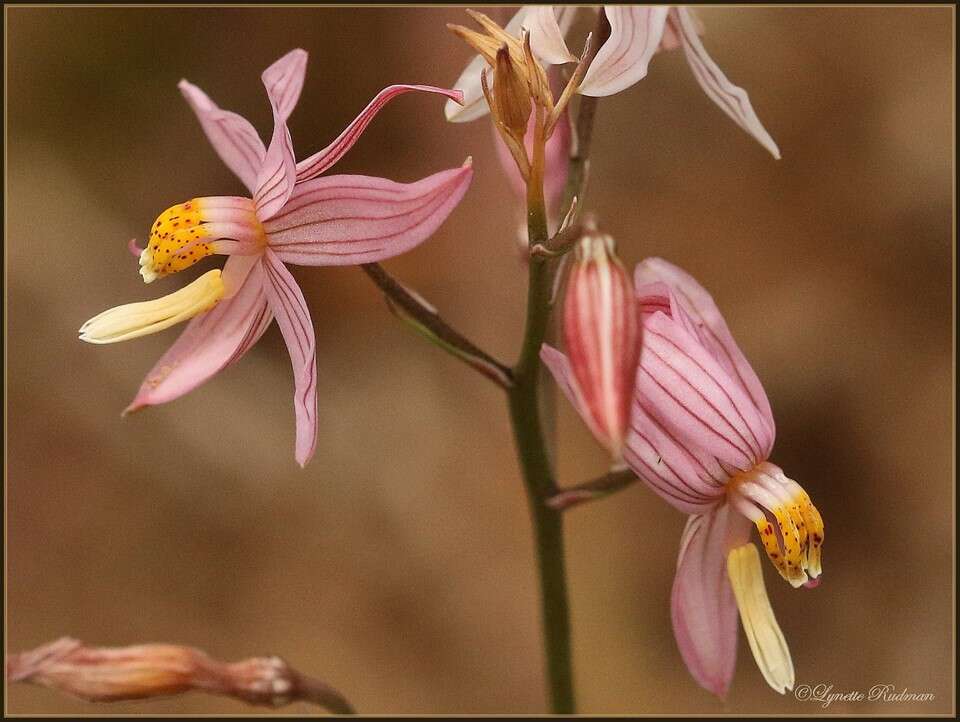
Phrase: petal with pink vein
x=231 y=135
x=731 y=99
x=703 y=607
x=288 y=305
x=690 y=393
x=349 y=219
x=546 y=36
x=284 y=81
x=278 y=175
x=324 y=159
x=712 y=330
x=209 y=343
x=635 y=34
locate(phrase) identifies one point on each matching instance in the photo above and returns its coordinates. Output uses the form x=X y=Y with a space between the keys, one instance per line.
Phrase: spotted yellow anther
x=187 y=232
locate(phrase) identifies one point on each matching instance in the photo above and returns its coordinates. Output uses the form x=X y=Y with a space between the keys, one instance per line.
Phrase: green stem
x=535 y=462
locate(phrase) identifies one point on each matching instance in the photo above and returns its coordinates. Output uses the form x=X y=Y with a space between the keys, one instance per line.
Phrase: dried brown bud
x=511 y=95
x=109 y=674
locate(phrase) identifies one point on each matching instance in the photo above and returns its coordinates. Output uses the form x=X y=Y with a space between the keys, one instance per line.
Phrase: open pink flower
x=701 y=433
x=293 y=216
x=637 y=32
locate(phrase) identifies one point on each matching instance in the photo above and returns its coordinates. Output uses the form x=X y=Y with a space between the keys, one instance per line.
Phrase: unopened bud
x=511 y=95
x=601 y=333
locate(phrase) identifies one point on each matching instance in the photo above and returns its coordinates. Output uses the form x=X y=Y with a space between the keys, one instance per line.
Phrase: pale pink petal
x=210 y=342
x=234 y=139
x=349 y=219
x=702 y=605
x=288 y=305
x=324 y=159
x=278 y=174
x=473 y=105
x=682 y=385
x=712 y=330
x=671 y=40
x=546 y=36
x=284 y=81
x=635 y=33
x=731 y=99
x=685 y=477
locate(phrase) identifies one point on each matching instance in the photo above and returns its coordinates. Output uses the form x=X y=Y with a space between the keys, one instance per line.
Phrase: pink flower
x=637 y=33
x=293 y=216
x=701 y=433
x=601 y=335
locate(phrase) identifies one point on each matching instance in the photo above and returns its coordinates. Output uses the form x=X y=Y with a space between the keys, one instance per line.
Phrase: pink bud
x=601 y=333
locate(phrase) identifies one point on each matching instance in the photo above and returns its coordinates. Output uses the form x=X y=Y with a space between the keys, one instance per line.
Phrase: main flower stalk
x=537 y=472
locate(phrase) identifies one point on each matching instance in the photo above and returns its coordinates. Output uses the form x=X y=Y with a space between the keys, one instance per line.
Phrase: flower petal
x=702 y=605
x=731 y=99
x=685 y=477
x=349 y=219
x=284 y=81
x=713 y=332
x=559 y=367
x=546 y=36
x=671 y=40
x=288 y=305
x=635 y=34
x=279 y=172
x=473 y=105
x=687 y=390
x=209 y=343
x=231 y=135
x=324 y=159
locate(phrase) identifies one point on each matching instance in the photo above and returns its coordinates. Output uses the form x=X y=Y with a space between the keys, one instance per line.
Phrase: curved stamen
x=139 y=319
x=789 y=525
x=766 y=640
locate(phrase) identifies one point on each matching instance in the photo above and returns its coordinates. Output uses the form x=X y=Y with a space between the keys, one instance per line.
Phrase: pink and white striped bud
x=601 y=333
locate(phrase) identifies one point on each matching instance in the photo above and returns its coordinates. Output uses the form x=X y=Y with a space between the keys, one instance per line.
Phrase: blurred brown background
x=398 y=565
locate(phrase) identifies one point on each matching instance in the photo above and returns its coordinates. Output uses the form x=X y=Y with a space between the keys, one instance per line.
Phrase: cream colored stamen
x=759 y=623
x=140 y=319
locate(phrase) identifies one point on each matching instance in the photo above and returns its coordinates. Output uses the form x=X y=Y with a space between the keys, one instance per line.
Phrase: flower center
x=187 y=232
x=790 y=527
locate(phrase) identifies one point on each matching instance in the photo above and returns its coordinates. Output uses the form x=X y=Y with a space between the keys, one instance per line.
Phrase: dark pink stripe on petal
x=703 y=607
x=232 y=137
x=288 y=305
x=326 y=158
x=635 y=33
x=210 y=342
x=342 y=220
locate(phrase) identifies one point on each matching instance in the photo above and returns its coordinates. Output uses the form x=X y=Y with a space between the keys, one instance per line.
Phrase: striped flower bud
x=601 y=333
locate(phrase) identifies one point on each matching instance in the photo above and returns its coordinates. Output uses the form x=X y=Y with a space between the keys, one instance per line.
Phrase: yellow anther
x=771 y=545
x=187 y=232
x=177 y=241
x=792 y=549
x=814 y=523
